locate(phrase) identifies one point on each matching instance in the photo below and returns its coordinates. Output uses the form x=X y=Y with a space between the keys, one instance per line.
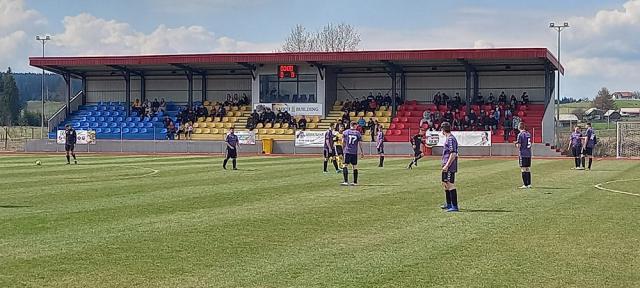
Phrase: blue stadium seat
x=113 y=125
x=94 y=125
x=115 y=131
x=131 y=124
x=146 y=119
x=143 y=130
x=76 y=125
x=119 y=119
x=134 y=114
x=101 y=119
x=106 y=130
x=155 y=119
x=91 y=119
x=140 y=124
x=121 y=108
x=103 y=108
x=98 y=130
x=148 y=125
x=94 y=108
x=85 y=125
x=115 y=113
x=109 y=119
x=106 y=113
x=104 y=124
x=163 y=131
x=134 y=130
x=129 y=119
x=97 y=113
x=125 y=130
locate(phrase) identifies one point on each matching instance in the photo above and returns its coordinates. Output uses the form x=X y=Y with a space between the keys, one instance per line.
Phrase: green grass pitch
x=279 y=222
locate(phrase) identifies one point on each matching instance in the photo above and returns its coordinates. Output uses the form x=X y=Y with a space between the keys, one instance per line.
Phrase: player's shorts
x=525 y=162
x=328 y=153
x=449 y=177
x=339 y=151
x=381 y=150
x=588 y=151
x=350 y=159
x=576 y=151
x=232 y=153
x=69 y=147
x=417 y=152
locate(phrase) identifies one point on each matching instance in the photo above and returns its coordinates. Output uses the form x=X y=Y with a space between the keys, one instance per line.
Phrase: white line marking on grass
x=153 y=172
x=599 y=186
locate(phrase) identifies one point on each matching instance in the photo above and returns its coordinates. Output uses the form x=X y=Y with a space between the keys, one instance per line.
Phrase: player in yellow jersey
x=337 y=141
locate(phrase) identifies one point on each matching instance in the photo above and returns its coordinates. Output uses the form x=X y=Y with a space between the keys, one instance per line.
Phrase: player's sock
x=381 y=161
x=577 y=162
x=224 y=164
x=74 y=156
x=524 y=178
x=584 y=159
x=454 y=197
x=345 y=174
x=411 y=164
x=590 y=161
x=324 y=166
x=355 y=176
x=447 y=194
x=528 y=177
x=68 y=159
x=335 y=165
x=233 y=161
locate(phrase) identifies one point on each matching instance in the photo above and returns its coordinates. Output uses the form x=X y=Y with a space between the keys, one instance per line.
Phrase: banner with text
x=307 y=109
x=82 y=137
x=246 y=137
x=309 y=138
x=465 y=138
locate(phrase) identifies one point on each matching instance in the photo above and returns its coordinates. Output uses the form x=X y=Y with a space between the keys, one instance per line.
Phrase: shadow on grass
x=486 y=210
x=378 y=185
x=14 y=206
x=551 y=188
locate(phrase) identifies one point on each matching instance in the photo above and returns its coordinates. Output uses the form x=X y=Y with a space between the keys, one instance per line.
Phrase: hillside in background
x=29 y=85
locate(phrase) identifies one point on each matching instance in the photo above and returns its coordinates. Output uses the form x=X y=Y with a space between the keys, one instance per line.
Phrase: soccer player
x=351 y=141
x=449 y=168
x=575 y=146
x=524 y=145
x=329 y=150
x=70 y=138
x=380 y=144
x=232 y=142
x=337 y=140
x=589 y=142
x=416 y=142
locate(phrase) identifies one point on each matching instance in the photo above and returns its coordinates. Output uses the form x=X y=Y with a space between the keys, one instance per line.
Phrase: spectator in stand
x=163 y=106
x=466 y=123
x=473 y=119
x=479 y=99
x=457 y=101
x=445 y=100
x=228 y=99
x=346 y=106
x=508 y=126
x=166 y=121
x=292 y=123
x=491 y=100
x=302 y=123
x=362 y=122
x=188 y=131
x=370 y=97
x=437 y=119
x=155 y=106
x=387 y=100
x=235 y=100
x=513 y=102
x=379 y=98
x=345 y=118
x=286 y=117
x=525 y=98
x=373 y=106
x=364 y=105
x=457 y=124
x=493 y=122
x=251 y=123
x=448 y=116
x=181 y=131
x=192 y=115
x=496 y=115
x=255 y=115
x=437 y=99
x=280 y=117
x=507 y=112
x=502 y=99
x=222 y=112
x=171 y=130
x=371 y=125
x=244 y=100
x=399 y=100
x=516 y=123
x=270 y=116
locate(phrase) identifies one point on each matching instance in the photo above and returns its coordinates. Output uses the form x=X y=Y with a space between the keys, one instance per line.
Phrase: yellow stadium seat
x=382 y=108
x=214 y=131
x=387 y=113
x=379 y=113
x=228 y=125
x=206 y=131
x=312 y=125
x=234 y=108
x=196 y=125
x=208 y=119
x=218 y=125
x=280 y=131
x=268 y=125
x=352 y=114
x=259 y=126
x=206 y=103
x=337 y=103
x=369 y=114
x=262 y=131
x=229 y=114
x=290 y=132
x=271 y=131
x=233 y=119
x=225 y=119
x=198 y=131
x=285 y=125
x=277 y=125
x=360 y=114
x=316 y=119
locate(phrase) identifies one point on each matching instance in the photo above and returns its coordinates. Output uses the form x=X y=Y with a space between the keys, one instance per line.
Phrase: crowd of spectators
x=265 y=115
x=235 y=100
x=363 y=125
x=148 y=109
x=456 y=101
x=370 y=103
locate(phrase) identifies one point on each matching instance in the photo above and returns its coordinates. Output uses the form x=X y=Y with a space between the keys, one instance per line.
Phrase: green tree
x=604 y=101
x=10 y=104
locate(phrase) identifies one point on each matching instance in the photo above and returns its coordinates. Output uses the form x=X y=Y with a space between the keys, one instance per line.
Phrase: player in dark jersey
x=380 y=145
x=351 y=142
x=449 y=168
x=231 y=139
x=589 y=143
x=70 y=138
x=524 y=145
x=575 y=146
x=329 y=150
x=416 y=143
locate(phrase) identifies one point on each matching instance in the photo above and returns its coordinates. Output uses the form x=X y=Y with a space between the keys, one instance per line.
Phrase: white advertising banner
x=309 y=138
x=246 y=137
x=82 y=137
x=307 y=109
x=465 y=138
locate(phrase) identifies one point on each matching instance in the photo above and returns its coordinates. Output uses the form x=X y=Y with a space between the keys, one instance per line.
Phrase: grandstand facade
x=311 y=85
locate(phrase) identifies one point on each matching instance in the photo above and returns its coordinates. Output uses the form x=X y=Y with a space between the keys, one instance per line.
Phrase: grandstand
x=313 y=85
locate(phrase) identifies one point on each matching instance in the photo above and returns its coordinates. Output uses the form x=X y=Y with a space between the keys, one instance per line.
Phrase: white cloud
x=17 y=27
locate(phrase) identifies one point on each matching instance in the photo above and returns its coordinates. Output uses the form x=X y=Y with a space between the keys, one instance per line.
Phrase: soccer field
x=279 y=222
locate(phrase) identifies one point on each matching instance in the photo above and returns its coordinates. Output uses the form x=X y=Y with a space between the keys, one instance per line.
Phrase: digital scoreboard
x=287 y=71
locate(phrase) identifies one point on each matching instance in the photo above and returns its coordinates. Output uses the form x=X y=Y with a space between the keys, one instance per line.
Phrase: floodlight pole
x=42 y=39
x=559 y=28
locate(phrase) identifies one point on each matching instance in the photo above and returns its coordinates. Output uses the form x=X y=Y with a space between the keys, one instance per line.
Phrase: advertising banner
x=309 y=138
x=83 y=137
x=307 y=109
x=465 y=138
x=246 y=137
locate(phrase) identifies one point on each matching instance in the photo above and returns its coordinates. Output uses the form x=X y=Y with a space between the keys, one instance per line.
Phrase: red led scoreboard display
x=287 y=71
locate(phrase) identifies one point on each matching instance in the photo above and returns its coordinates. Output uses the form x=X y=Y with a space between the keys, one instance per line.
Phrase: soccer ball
x=38 y=163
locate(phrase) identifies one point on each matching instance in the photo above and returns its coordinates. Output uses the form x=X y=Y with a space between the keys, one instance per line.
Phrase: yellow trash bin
x=267 y=146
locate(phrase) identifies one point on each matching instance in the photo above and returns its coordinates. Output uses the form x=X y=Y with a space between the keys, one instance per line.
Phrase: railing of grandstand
x=60 y=115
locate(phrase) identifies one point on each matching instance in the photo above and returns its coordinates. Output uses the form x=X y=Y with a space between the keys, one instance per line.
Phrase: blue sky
x=597 y=51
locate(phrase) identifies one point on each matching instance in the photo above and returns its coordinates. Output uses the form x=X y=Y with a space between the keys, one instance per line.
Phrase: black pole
x=468 y=97
x=84 y=90
x=204 y=88
x=143 y=88
x=190 y=88
x=393 y=93
x=67 y=81
x=127 y=84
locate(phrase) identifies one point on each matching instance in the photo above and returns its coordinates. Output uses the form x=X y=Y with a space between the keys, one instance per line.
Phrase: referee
x=70 y=138
x=232 y=149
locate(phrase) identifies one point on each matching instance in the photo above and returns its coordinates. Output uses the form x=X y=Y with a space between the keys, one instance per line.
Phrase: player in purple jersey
x=329 y=150
x=380 y=144
x=232 y=142
x=352 y=142
x=589 y=143
x=449 y=168
x=524 y=145
x=575 y=146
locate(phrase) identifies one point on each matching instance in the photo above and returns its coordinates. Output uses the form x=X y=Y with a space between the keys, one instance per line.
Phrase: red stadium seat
x=523 y=108
x=400 y=126
x=413 y=102
x=401 y=108
x=392 y=126
x=403 y=119
x=521 y=114
x=397 y=132
x=390 y=131
x=407 y=114
x=395 y=120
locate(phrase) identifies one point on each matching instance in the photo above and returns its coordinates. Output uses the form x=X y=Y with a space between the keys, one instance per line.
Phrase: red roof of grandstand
x=51 y=63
